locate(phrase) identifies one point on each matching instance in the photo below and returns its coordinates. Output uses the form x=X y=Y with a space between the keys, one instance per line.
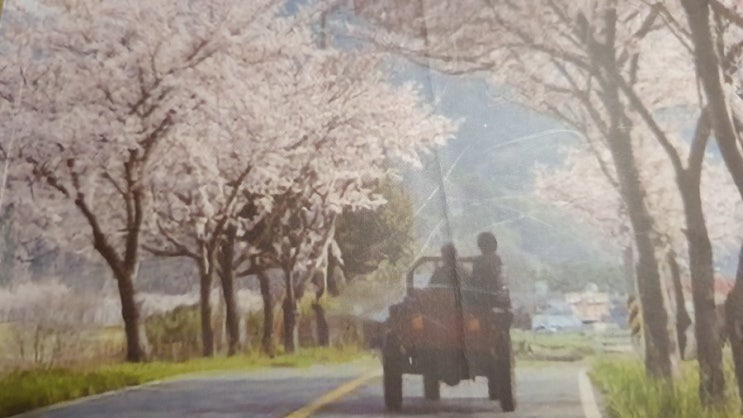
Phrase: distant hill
x=488 y=176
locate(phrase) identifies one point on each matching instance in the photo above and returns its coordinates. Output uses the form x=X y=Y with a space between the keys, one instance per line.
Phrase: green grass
x=26 y=390
x=629 y=393
x=531 y=345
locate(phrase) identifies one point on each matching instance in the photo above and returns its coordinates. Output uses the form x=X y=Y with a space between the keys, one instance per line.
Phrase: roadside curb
x=587 y=398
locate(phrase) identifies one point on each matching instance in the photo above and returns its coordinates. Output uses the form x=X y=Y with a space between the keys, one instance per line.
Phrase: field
x=34 y=348
x=530 y=345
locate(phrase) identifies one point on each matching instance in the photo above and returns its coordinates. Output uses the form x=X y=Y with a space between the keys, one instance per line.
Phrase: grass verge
x=27 y=390
x=629 y=393
x=567 y=347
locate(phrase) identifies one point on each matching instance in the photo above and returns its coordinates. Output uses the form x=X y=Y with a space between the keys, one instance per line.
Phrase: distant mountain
x=488 y=178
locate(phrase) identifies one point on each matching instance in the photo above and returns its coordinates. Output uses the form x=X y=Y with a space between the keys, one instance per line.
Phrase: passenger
x=451 y=273
x=487 y=275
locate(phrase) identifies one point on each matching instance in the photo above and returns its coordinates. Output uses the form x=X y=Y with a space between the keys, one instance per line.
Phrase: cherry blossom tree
x=715 y=29
x=579 y=187
x=368 y=123
x=105 y=85
x=241 y=153
x=293 y=128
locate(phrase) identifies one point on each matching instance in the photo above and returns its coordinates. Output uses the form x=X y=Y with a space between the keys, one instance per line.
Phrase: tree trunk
x=628 y=265
x=321 y=280
x=323 y=332
x=130 y=314
x=709 y=346
x=709 y=72
x=232 y=319
x=290 y=315
x=683 y=321
x=227 y=276
x=267 y=337
x=701 y=263
x=205 y=287
x=734 y=323
x=658 y=345
x=709 y=349
x=334 y=274
x=124 y=269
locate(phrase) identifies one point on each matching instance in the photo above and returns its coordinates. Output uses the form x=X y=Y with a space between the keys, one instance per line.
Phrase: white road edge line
x=587 y=400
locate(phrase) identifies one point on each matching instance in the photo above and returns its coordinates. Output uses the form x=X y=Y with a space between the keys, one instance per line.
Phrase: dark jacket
x=487 y=273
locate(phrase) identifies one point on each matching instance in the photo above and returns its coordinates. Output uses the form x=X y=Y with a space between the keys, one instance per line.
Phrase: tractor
x=448 y=334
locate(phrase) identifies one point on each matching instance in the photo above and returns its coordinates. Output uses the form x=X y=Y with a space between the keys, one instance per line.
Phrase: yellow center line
x=334 y=395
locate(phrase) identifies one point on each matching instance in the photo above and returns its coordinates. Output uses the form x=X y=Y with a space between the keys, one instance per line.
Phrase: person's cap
x=448 y=250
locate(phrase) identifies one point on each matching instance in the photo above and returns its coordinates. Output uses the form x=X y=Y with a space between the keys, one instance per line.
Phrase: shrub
x=254 y=327
x=175 y=335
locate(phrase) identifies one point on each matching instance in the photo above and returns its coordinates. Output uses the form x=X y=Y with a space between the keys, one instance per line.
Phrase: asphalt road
x=544 y=390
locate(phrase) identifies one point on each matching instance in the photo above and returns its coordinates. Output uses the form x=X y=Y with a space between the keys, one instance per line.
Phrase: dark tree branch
x=643 y=111
x=730 y=15
x=698 y=146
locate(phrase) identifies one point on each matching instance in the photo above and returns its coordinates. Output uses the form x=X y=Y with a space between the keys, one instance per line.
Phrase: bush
x=306 y=323
x=630 y=393
x=175 y=335
x=254 y=327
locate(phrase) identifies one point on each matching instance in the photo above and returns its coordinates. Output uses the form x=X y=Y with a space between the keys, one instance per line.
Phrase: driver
x=451 y=273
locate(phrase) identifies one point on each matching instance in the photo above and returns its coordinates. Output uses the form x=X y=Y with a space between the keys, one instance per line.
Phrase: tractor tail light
x=417 y=323
x=473 y=325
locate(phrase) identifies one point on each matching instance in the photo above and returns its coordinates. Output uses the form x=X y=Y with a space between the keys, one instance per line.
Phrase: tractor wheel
x=493 y=386
x=431 y=387
x=502 y=383
x=392 y=374
x=392 y=389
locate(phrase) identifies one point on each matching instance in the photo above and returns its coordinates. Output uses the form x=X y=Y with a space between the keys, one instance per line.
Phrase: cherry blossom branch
x=179 y=248
x=679 y=31
x=727 y=13
x=644 y=113
x=167 y=253
x=107 y=176
x=100 y=241
x=250 y=271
